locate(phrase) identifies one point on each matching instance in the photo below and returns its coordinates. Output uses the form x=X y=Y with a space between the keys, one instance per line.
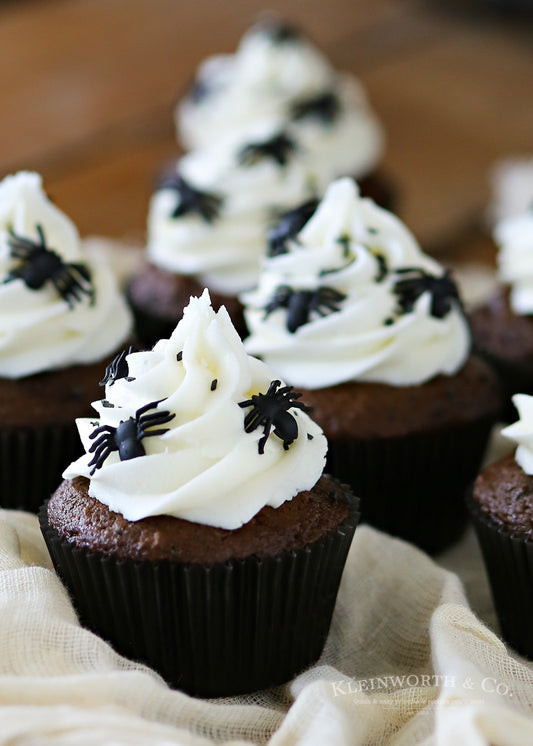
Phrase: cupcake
x=197 y=533
x=62 y=320
x=502 y=328
x=207 y=223
x=277 y=76
x=501 y=507
x=349 y=310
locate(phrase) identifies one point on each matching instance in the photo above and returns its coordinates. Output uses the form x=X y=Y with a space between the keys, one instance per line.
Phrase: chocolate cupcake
x=62 y=320
x=502 y=328
x=278 y=75
x=197 y=533
x=502 y=511
x=207 y=224
x=350 y=311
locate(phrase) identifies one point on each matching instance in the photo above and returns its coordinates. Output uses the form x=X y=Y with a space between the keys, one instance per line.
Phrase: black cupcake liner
x=32 y=461
x=414 y=486
x=227 y=629
x=509 y=565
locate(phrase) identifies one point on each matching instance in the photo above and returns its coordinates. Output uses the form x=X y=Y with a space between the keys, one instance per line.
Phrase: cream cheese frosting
x=205 y=467
x=277 y=75
x=350 y=297
x=210 y=217
x=514 y=236
x=57 y=308
x=522 y=432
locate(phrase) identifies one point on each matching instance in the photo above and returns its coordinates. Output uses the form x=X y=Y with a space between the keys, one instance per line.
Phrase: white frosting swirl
x=39 y=329
x=206 y=468
x=522 y=432
x=515 y=259
x=366 y=338
x=262 y=81
x=225 y=253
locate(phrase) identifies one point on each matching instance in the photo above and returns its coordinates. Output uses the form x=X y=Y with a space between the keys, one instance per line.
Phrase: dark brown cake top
x=504 y=492
x=88 y=523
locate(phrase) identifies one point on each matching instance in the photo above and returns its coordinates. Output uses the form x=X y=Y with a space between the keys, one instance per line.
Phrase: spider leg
x=161 y=431
x=247 y=403
x=252 y=420
x=263 y=440
x=102 y=429
x=158 y=418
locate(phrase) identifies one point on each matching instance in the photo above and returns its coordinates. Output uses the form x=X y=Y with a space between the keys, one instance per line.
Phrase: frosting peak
x=522 y=432
x=351 y=296
x=221 y=438
x=515 y=259
x=277 y=76
x=57 y=308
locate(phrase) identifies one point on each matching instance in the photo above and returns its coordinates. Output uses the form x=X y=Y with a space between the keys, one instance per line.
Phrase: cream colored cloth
x=407 y=662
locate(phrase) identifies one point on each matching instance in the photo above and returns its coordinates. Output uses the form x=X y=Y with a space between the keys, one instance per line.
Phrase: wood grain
x=89 y=87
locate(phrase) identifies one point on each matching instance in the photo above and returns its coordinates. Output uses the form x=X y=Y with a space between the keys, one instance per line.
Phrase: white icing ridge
x=262 y=81
x=39 y=329
x=521 y=432
x=514 y=235
x=225 y=253
x=205 y=468
x=367 y=338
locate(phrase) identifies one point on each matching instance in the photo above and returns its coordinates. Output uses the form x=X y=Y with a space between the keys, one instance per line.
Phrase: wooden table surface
x=88 y=90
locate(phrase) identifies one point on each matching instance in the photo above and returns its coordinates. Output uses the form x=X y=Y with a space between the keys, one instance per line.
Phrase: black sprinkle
x=214 y=384
x=374 y=231
x=107 y=404
x=309 y=436
x=389 y=321
x=179 y=356
x=345 y=241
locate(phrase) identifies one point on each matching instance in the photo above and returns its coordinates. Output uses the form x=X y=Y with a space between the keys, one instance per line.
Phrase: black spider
x=117 y=368
x=289 y=225
x=204 y=204
x=127 y=437
x=301 y=303
x=279 y=148
x=325 y=107
x=415 y=281
x=271 y=409
x=40 y=264
x=278 y=31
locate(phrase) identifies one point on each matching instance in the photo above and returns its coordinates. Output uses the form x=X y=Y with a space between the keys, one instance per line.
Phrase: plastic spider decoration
x=414 y=282
x=192 y=201
x=289 y=225
x=301 y=303
x=325 y=108
x=278 y=148
x=128 y=436
x=117 y=368
x=270 y=410
x=39 y=264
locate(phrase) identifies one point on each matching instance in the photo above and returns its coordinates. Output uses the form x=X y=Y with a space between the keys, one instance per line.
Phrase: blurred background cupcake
x=201 y=486
x=372 y=330
x=502 y=511
x=62 y=318
x=207 y=225
x=279 y=78
x=502 y=328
